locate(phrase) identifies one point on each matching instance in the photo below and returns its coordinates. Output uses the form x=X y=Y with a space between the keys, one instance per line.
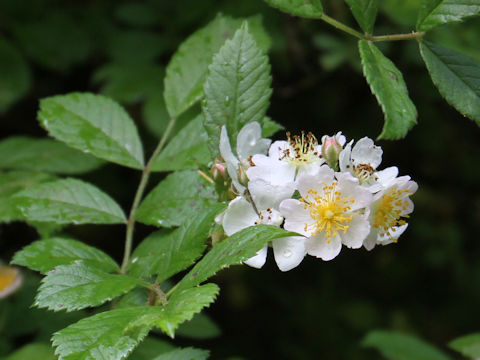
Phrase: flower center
x=301 y=149
x=270 y=217
x=328 y=211
x=8 y=276
x=388 y=211
x=364 y=173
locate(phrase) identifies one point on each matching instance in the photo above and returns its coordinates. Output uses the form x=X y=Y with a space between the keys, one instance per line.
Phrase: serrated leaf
x=93 y=124
x=365 y=12
x=167 y=253
x=232 y=251
x=187 y=150
x=44 y=255
x=13 y=182
x=15 y=75
x=388 y=86
x=200 y=327
x=187 y=69
x=37 y=351
x=437 y=12
x=68 y=201
x=150 y=348
x=114 y=334
x=20 y=152
x=270 y=127
x=304 y=8
x=188 y=353
x=398 y=346
x=176 y=199
x=80 y=285
x=468 y=345
x=456 y=76
x=237 y=88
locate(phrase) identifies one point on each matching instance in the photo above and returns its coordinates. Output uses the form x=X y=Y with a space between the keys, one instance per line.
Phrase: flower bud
x=242 y=175
x=219 y=171
x=332 y=146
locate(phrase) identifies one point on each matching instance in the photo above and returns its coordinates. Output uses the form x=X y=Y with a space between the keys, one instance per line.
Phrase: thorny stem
x=359 y=35
x=139 y=195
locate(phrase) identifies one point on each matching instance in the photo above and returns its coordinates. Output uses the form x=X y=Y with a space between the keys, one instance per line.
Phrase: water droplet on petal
x=287 y=253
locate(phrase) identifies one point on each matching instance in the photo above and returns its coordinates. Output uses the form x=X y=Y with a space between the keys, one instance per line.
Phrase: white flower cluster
x=331 y=193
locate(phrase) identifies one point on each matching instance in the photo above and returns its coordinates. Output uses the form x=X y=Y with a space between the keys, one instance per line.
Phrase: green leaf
x=80 y=285
x=365 y=12
x=20 y=152
x=150 y=348
x=187 y=69
x=37 y=351
x=176 y=199
x=437 y=12
x=304 y=8
x=188 y=353
x=154 y=114
x=13 y=182
x=200 y=327
x=167 y=253
x=68 y=201
x=188 y=149
x=93 y=124
x=232 y=251
x=456 y=76
x=270 y=127
x=398 y=346
x=45 y=255
x=129 y=83
x=468 y=345
x=388 y=86
x=114 y=334
x=237 y=89
x=15 y=75
x=136 y=46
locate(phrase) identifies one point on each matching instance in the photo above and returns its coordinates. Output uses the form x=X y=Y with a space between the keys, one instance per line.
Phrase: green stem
x=395 y=37
x=342 y=26
x=139 y=195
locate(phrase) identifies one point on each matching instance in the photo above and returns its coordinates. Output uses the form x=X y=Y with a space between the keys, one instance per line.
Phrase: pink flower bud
x=332 y=146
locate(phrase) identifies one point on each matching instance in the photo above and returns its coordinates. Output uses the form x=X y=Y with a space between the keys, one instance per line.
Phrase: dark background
x=427 y=284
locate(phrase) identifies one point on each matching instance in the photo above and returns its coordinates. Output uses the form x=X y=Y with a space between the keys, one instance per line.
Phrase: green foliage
x=387 y=84
x=303 y=8
x=123 y=46
x=176 y=199
x=232 y=251
x=93 y=124
x=150 y=348
x=68 y=201
x=80 y=285
x=184 y=354
x=365 y=12
x=37 y=351
x=187 y=69
x=456 y=76
x=398 y=346
x=237 y=89
x=187 y=150
x=437 y=12
x=167 y=253
x=20 y=152
x=47 y=254
x=15 y=75
x=200 y=327
x=468 y=345
x=13 y=182
x=270 y=127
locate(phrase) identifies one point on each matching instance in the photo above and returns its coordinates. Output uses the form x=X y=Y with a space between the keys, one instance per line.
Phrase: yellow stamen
x=302 y=149
x=387 y=212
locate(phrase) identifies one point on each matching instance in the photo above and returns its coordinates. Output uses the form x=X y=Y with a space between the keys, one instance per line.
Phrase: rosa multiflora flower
x=332 y=211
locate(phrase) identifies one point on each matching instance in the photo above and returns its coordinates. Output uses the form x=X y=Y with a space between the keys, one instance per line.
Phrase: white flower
x=287 y=159
x=330 y=212
x=249 y=142
x=362 y=162
x=10 y=280
x=389 y=208
x=288 y=251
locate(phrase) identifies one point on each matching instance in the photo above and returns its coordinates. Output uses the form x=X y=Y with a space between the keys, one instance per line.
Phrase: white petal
x=386 y=176
x=356 y=233
x=311 y=167
x=324 y=248
x=250 y=142
x=349 y=187
x=273 y=171
x=341 y=139
x=265 y=195
x=232 y=171
x=296 y=216
x=395 y=233
x=239 y=215
x=277 y=150
x=259 y=259
x=371 y=240
x=226 y=149
x=315 y=181
x=289 y=252
x=366 y=152
x=344 y=157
